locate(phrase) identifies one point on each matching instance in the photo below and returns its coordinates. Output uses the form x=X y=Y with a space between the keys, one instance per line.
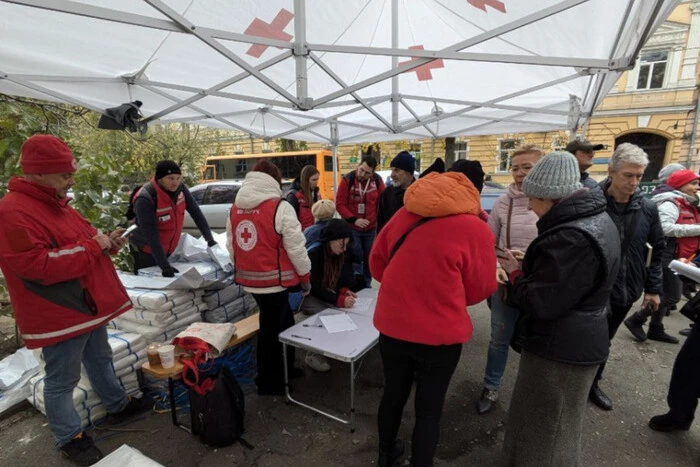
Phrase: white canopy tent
x=327 y=70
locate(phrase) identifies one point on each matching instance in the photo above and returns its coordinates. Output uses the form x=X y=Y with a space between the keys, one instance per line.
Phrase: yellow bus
x=235 y=167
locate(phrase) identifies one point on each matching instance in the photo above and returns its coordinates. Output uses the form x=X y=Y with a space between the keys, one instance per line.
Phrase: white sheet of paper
x=340 y=322
x=362 y=305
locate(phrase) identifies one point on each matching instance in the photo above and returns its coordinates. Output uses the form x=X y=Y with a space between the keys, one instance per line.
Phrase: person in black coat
x=391 y=200
x=563 y=289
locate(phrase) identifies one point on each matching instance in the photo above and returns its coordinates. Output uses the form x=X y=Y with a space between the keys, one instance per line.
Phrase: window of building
x=461 y=150
x=414 y=150
x=506 y=147
x=652 y=69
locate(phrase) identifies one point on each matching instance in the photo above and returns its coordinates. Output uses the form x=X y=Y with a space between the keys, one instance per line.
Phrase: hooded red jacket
x=61 y=284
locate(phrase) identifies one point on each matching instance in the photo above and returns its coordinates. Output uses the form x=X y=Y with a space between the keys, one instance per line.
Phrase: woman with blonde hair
x=304 y=194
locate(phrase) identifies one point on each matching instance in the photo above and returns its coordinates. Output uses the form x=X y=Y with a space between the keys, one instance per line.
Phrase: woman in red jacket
x=304 y=194
x=422 y=328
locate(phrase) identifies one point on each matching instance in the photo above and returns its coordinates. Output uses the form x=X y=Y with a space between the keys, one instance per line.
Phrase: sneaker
x=135 y=406
x=487 y=401
x=685 y=332
x=388 y=459
x=81 y=450
x=666 y=423
x=658 y=334
x=636 y=329
x=317 y=362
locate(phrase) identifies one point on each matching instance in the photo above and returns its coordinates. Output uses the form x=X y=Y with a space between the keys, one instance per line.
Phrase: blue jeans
x=361 y=247
x=503 y=318
x=62 y=376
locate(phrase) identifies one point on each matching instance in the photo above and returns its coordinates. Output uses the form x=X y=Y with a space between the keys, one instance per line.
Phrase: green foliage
x=286 y=145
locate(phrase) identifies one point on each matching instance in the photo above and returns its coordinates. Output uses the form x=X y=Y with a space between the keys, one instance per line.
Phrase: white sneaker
x=317 y=362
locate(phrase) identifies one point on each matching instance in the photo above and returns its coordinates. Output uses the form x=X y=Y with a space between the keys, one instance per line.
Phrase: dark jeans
x=615 y=318
x=361 y=247
x=431 y=367
x=142 y=260
x=684 y=389
x=275 y=317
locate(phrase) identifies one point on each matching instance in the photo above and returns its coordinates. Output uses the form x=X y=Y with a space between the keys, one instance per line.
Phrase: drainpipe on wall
x=694 y=131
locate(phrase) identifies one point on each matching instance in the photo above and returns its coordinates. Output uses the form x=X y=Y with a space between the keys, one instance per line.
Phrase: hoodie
x=438 y=271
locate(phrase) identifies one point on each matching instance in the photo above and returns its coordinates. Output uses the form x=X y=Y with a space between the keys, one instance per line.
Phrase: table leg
x=286 y=375
x=352 y=396
x=173 y=406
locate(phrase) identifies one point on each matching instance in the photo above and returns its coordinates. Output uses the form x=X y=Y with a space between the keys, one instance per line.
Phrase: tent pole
x=334 y=143
x=394 y=63
x=301 y=52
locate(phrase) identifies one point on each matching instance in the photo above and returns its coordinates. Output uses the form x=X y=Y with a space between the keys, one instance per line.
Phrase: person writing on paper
x=514 y=225
x=268 y=252
x=562 y=288
x=332 y=277
x=421 y=312
x=642 y=240
x=680 y=221
x=160 y=207
x=64 y=290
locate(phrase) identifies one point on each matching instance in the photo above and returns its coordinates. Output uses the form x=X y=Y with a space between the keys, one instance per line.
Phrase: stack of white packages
x=129 y=354
x=229 y=304
x=159 y=315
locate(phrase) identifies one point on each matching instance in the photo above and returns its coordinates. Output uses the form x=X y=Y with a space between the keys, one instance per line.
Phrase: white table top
x=344 y=346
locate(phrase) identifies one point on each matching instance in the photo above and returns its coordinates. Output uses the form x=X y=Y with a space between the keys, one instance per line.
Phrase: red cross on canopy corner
x=481 y=4
x=423 y=71
x=273 y=30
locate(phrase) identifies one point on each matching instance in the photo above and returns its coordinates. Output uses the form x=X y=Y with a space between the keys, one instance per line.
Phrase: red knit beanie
x=46 y=154
x=682 y=177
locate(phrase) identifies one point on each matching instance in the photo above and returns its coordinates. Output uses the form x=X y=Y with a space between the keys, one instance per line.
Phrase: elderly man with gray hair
x=642 y=243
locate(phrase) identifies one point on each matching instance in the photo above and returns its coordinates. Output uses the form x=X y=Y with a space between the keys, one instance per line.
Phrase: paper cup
x=167 y=355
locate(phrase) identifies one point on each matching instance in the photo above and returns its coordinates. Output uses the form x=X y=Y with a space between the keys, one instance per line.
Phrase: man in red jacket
x=64 y=289
x=356 y=201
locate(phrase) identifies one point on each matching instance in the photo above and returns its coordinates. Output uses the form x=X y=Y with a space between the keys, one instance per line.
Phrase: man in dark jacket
x=642 y=244
x=391 y=200
x=584 y=151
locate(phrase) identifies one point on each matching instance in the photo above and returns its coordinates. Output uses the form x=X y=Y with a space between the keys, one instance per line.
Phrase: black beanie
x=335 y=229
x=472 y=170
x=164 y=168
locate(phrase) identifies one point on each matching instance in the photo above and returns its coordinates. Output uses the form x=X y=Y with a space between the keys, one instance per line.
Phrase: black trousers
x=142 y=260
x=684 y=389
x=615 y=318
x=275 y=317
x=431 y=367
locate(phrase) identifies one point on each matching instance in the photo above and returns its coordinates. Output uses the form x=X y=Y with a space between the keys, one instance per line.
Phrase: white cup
x=167 y=355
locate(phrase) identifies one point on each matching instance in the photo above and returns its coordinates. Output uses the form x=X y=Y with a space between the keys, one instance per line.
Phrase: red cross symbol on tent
x=423 y=71
x=273 y=30
x=481 y=4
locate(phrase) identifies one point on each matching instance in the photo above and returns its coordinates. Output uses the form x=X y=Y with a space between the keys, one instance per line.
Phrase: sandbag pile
x=159 y=315
x=129 y=355
x=228 y=304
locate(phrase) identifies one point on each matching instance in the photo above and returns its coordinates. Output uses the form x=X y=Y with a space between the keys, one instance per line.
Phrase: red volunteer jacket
x=170 y=217
x=688 y=214
x=260 y=258
x=351 y=193
x=61 y=284
x=306 y=219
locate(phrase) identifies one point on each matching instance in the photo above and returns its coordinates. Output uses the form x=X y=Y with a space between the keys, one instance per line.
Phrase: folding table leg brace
x=350 y=421
x=173 y=406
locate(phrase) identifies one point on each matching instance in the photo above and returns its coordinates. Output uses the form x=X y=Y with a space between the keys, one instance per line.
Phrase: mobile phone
x=129 y=230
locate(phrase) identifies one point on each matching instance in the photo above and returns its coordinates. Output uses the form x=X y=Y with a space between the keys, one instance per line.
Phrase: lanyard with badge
x=361 y=205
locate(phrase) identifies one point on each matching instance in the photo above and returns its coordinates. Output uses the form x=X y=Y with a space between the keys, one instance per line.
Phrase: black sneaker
x=635 y=328
x=666 y=423
x=685 y=332
x=657 y=333
x=388 y=459
x=81 y=450
x=133 y=407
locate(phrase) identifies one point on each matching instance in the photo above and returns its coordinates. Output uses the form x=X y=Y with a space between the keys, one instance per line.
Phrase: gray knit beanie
x=668 y=170
x=555 y=176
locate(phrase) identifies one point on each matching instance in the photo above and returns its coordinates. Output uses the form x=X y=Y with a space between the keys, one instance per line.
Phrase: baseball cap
x=583 y=145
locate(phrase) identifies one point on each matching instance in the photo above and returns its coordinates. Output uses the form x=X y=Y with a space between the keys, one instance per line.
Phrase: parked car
x=215 y=200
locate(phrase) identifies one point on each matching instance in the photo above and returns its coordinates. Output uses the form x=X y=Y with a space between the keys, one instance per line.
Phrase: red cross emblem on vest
x=246 y=235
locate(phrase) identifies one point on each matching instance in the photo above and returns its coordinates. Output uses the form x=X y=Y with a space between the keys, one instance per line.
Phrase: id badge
x=361 y=208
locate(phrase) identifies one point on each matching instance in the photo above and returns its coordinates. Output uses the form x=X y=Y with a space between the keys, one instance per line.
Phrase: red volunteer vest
x=259 y=257
x=306 y=219
x=169 y=217
x=687 y=246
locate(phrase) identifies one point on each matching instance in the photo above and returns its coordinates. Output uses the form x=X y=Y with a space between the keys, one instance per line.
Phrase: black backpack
x=130 y=214
x=218 y=415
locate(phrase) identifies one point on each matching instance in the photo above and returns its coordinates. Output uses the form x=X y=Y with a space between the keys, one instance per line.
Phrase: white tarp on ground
x=381 y=69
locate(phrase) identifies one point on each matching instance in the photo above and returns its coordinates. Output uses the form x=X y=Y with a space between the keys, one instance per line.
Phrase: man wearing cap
x=64 y=289
x=160 y=212
x=391 y=200
x=584 y=151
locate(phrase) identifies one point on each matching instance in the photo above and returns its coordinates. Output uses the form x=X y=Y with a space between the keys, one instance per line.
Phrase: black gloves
x=211 y=243
x=169 y=271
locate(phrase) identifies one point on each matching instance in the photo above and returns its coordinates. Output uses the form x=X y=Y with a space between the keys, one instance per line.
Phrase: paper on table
x=338 y=323
x=362 y=305
x=687 y=270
